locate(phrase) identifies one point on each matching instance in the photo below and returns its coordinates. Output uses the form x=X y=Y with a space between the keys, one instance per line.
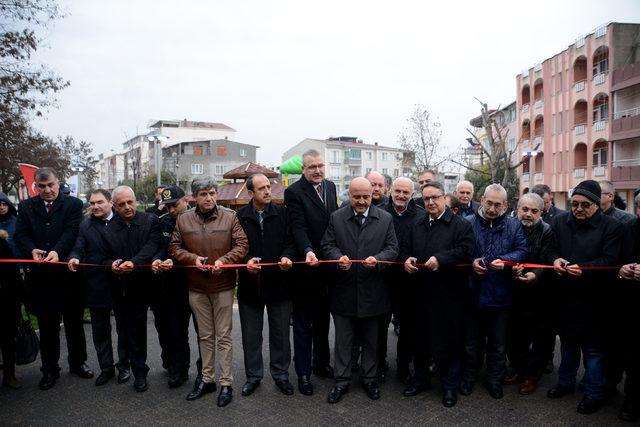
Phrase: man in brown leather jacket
x=208 y=237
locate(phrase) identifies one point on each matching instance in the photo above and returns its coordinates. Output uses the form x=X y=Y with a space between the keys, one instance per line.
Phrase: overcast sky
x=282 y=71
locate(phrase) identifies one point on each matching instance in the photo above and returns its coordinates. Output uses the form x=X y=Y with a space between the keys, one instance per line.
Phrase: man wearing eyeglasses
x=499 y=238
x=425 y=176
x=586 y=238
x=529 y=326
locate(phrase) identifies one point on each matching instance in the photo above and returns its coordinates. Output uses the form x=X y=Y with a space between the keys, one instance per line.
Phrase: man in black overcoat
x=90 y=249
x=266 y=226
x=310 y=201
x=131 y=241
x=359 y=295
x=443 y=242
x=46 y=230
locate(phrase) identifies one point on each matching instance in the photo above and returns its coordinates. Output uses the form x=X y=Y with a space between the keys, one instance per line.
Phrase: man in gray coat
x=359 y=295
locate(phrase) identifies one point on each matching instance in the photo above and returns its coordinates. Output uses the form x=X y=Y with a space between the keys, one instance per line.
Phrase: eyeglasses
x=583 y=205
x=428 y=199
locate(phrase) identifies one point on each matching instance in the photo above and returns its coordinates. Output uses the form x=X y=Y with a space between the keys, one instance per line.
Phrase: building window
x=369 y=155
x=221 y=151
x=220 y=169
x=396 y=173
x=600 y=112
x=354 y=153
x=553 y=124
x=196 y=169
x=384 y=171
x=559 y=122
x=334 y=156
x=384 y=156
x=243 y=152
x=334 y=172
x=600 y=157
x=368 y=170
x=198 y=150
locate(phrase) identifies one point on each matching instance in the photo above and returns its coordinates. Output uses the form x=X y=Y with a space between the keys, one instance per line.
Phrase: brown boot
x=511 y=379
x=528 y=386
x=10 y=381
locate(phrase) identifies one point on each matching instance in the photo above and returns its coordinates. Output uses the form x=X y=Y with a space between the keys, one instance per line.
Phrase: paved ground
x=75 y=401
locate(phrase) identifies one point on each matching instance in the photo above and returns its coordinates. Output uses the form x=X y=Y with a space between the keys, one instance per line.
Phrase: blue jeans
x=594 y=378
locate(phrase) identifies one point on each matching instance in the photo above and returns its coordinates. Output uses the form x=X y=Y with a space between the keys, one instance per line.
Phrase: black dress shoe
x=324 y=371
x=249 y=387
x=589 y=406
x=285 y=387
x=105 y=376
x=559 y=391
x=336 y=393
x=304 y=385
x=449 y=398
x=226 y=396
x=123 y=376
x=415 y=389
x=48 y=380
x=197 y=382
x=176 y=379
x=373 y=390
x=495 y=390
x=466 y=388
x=202 y=389
x=629 y=412
x=82 y=371
x=382 y=372
x=140 y=384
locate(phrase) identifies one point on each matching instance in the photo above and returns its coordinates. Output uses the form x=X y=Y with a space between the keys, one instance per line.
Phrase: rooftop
x=189 y=124
x=351 y=144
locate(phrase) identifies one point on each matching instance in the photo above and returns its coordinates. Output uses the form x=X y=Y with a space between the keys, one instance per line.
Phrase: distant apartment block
x=505 y=118
x=582 y=106
x=348 y=157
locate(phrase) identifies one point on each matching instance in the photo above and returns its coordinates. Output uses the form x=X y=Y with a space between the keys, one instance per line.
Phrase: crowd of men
x=478 y=290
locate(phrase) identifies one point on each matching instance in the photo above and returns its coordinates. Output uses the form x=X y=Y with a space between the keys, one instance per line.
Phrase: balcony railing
x=538 y=104
x=626 y=113
x=600 y=125
x=538 y=177
x=579 y=129
x=579 y=42
x=525 y=109
x=601 y=31
x=578 y=173
x=599 y=170
x=579 y=86
x=598 y=79
x=626 y=162
x=537 y=67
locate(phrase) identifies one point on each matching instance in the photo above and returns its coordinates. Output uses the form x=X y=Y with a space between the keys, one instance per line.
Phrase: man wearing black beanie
x=586 y=238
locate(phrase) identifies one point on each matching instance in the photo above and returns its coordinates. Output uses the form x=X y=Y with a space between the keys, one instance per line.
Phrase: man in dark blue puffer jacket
x=499 y=238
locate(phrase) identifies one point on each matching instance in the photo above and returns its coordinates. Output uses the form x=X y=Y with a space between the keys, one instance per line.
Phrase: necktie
x=260 y=218
x=49 y=206
x=360 y=219
x=431 y=221
x=319 y=190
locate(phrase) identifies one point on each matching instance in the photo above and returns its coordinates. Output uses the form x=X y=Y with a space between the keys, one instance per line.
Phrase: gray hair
x=465 y=182
x=120 y=189
x=533 y=198
x=606 y=187
x=498 y=188
x=44 y=174
x=204 y=183
x=402 y=179
x=310 y=153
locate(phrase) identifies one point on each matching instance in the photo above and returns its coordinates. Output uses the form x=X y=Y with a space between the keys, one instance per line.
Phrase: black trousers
x=311 y=320
x=487 y=327
x=251 y=323
x=49 y=324
x=366 y=330
x=171 y=313
x=528 y=335
x=135 y=329
x=8 y=315
x=101 y=333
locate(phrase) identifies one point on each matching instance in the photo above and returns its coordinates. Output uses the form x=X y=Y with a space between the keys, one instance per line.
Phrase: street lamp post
x=158 y=138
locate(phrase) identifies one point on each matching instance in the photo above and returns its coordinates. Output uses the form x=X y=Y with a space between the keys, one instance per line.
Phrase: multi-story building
x=193 y=159
x=564 y=106
x=505 y=120
x=348 y=157
x=110 y=170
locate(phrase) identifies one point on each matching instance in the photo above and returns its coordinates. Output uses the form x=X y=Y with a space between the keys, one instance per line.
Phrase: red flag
x=28 y=172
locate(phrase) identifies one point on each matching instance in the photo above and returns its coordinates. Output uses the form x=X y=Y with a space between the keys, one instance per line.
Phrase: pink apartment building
x=582 y=106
